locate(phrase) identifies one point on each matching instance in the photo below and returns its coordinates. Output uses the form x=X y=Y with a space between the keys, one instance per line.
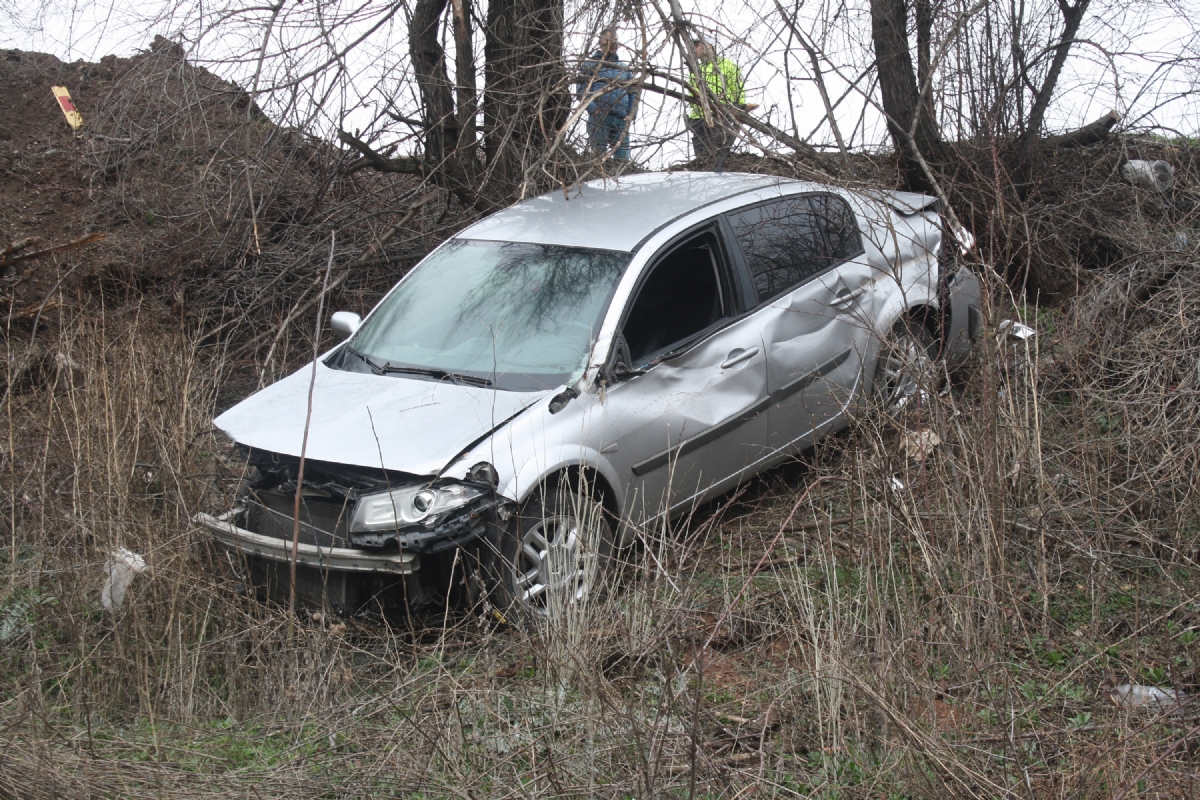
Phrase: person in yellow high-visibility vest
x=726 y=88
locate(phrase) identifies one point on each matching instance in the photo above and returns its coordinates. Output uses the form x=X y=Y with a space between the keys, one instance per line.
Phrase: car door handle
x=845 y=298
x=738 y=356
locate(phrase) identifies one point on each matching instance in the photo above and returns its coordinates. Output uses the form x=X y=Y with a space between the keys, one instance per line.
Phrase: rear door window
x=841 y=228
x=788 y=241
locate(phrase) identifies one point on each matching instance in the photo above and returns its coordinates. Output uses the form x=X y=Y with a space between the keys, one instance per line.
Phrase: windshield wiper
x=434 y=372
x=366 y=359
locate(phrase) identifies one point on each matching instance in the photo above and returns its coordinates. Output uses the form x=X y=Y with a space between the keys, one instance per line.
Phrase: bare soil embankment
x=208 y=210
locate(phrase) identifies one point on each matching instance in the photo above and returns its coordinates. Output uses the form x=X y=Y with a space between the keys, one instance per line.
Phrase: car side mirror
x=345 y=322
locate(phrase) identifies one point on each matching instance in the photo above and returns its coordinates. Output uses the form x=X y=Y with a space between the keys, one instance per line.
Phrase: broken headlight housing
x=410 y=505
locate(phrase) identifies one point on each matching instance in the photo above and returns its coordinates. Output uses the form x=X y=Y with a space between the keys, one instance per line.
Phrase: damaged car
x=645 y=343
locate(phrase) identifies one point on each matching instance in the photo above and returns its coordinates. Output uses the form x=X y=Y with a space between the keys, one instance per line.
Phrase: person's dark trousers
x=710 y=143
x=606 y=132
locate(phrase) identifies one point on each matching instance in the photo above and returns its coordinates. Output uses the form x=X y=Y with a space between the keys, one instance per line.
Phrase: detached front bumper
x=334 y=559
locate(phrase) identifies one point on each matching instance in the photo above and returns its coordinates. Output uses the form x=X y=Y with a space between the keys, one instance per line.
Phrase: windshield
x=515 y=316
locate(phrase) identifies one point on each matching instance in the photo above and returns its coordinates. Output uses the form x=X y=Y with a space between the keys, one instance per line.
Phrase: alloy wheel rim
x=906 y=366
x=553 y=566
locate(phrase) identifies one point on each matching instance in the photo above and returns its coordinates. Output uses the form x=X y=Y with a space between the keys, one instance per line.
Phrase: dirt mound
x=50 y=186
x=43 y=184
x=211 y=211
x=207 y=208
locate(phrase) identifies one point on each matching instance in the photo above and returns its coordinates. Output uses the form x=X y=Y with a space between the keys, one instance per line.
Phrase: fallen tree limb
x=1092 y=133
x=452 y=173
x=19 y=245
x=408 y=165
x=89 y=239
x=802 y=148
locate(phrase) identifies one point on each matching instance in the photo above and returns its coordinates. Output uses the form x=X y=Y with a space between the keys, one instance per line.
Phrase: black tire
x=906 y=371
x=557 y=552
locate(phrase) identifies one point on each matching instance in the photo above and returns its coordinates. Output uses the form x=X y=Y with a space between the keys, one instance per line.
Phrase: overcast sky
x=1124 y=61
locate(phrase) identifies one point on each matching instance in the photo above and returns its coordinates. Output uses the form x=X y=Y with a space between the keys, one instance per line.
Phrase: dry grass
x=823 y=632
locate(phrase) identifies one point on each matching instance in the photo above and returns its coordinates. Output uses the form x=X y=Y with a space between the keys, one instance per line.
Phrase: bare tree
x=910 y=121
x=1002 y=66
x=1072 y=16
x=524 y=101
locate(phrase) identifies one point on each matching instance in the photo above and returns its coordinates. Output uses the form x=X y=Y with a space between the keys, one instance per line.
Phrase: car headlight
x=408 y=505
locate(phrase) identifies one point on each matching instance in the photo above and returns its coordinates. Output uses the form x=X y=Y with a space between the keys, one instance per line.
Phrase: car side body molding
x=717 y=431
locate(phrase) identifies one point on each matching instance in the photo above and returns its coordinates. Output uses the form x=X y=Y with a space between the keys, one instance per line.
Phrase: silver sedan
x=644 y=344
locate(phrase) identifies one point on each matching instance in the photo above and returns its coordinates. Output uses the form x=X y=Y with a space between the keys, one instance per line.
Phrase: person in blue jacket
x=608 y=86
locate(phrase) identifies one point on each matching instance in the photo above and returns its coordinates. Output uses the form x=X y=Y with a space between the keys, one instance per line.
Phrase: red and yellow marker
x=74 y=119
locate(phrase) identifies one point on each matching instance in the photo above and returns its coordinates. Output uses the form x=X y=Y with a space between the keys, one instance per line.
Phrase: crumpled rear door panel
x=817 y=338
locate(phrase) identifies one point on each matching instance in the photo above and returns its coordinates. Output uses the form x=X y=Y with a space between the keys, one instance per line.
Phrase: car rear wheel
x=906 y=372
x=555 y=554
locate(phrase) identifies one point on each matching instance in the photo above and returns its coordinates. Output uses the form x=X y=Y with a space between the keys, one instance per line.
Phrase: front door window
x=683 y=296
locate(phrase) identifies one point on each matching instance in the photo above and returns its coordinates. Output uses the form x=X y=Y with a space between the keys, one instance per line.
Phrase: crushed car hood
x=403 y=424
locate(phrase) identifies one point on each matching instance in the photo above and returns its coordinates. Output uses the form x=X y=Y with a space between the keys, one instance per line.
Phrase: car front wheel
x=554 y=555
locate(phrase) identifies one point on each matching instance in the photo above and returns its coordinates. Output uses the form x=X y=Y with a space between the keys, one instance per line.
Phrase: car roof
x=614 y=214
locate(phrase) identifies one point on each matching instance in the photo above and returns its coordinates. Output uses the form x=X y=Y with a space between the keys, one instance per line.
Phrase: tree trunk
x=464 y=73
x=524 y=100
x=910 y=123
x=924 y=19
x=429 y=65
x=1072 y=16
x=1092 y=133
